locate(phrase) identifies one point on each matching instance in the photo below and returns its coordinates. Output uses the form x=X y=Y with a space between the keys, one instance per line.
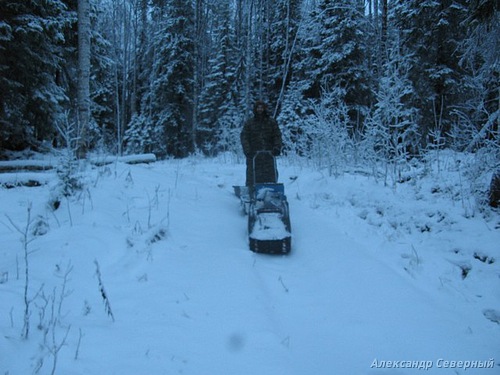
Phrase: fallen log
x=128 y=159
x=27 y=165
x=32 y=173
x=45 y=165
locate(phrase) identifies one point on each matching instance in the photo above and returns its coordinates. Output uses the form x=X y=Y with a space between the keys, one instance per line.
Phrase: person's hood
x=258 y=103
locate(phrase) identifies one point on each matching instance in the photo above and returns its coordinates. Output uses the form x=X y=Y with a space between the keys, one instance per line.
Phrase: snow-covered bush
x=331 y=145
x=319 y=130
x=390 y=129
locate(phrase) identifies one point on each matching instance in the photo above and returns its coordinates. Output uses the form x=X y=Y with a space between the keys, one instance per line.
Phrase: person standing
x=260 y=133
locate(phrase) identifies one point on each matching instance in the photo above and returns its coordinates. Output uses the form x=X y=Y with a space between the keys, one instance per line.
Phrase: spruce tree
x=217 y=99
x=31 y=47
x=171 y=101
x=478 y=113
x=430 y=31
x=336 y=55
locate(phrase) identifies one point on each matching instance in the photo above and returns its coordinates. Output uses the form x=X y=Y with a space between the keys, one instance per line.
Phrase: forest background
x=371 y=80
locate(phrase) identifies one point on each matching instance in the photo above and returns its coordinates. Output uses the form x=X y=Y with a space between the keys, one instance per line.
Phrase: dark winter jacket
x=261 y=133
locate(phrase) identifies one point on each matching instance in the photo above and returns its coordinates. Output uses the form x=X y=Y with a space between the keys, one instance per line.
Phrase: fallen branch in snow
x=80 y=336
x=283 y=284
x=28 y=179
x=107 y=305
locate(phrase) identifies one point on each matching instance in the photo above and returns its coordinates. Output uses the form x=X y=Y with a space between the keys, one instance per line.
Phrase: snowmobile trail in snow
x=188 y=296
x=331 y=303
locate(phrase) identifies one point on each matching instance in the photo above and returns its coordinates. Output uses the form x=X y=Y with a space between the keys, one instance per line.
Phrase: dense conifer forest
x=376 y=79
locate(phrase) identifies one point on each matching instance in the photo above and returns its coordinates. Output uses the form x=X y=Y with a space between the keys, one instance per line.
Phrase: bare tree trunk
x=116 y=49
x=199 y=67
x=287 y=57
x=83 y=75
x=248 y=57
x=134 y=63
x=125 y=64
x=383 y=36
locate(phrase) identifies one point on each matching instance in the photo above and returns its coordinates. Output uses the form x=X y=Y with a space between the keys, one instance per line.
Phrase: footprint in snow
x=493 y=315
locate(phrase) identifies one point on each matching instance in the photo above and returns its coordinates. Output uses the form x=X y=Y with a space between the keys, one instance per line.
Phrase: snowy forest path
x=188 y=296
x=329 y=301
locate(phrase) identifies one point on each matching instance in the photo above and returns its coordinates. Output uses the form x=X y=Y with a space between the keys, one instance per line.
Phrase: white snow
x=33 y=164
x=382 y=280
x=269 y=226
x=130 y=159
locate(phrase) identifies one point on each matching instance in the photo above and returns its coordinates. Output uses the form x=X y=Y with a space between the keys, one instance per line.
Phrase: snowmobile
x=265 y=203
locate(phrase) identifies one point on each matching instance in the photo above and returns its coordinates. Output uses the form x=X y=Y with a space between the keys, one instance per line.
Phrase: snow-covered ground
x=147 y=271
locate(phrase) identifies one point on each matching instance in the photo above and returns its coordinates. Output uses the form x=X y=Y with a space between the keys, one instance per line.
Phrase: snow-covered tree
x=430 y=31
x=391 y=133
x=217 y=98
x=102 y=130
x=32 y=38
x=478 y=114
x=336 y=54
x=476 y=127
x=294 y=114
x=170 y=104
x=328 y=129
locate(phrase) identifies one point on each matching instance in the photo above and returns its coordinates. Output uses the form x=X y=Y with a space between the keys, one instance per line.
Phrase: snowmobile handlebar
x=257 y=161
x=273 y=153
